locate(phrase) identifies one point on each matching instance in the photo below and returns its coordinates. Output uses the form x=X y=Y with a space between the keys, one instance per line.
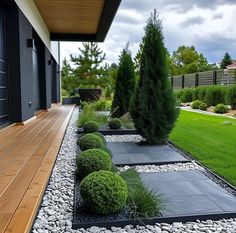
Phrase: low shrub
x=90 y=141
x=215 y=95
x=115 y=123
x=100 y=135
x=107 y=151
x=93 y=160
x=196 y=104
x=231 y=97
x=141 y=202
x=221 y=108
x=178 y=94
x=203 y=106
x=187 y=95
x=89 y=114
x=104 y=192
x=91 y=127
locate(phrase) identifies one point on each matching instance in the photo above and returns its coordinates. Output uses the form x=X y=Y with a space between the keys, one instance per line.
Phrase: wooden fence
x=218 y=77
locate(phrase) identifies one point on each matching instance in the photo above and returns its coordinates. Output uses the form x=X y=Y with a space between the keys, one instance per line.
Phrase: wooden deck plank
x=22 y=152
x=24 y=176
x=33 y=196
x=15 y=136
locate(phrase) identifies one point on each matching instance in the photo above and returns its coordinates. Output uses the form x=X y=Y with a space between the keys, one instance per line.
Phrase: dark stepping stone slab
x=128 y=153
x=187 y=196
x=189 y=193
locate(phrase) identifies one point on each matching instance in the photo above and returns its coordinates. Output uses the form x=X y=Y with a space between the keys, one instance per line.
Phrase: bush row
x=102 y=189
x=211 y=95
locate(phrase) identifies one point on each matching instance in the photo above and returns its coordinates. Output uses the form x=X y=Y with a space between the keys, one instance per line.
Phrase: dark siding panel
x=25 y=32
x=3 y=76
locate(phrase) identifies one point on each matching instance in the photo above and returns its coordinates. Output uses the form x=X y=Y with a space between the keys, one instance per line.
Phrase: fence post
x=215 y=77
x=196 y=80
x=182 y=81
x=172 y=82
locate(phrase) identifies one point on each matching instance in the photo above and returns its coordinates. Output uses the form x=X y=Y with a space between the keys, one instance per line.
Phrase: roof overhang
x=78 y=20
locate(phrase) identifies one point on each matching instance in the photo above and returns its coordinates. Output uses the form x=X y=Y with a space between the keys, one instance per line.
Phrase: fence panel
x=206 y=78
x=225 y=77
x=177 y=82
x=189 y=80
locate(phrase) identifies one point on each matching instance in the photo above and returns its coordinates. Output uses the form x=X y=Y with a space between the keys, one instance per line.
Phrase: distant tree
x=88 y=66
x=152 y=106
x=124 y=87
x=187 y=60
x=227 y=60
x=69 y=81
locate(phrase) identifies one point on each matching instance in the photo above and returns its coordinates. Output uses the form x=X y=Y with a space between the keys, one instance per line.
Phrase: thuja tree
x=124 y=87
x=152 y=106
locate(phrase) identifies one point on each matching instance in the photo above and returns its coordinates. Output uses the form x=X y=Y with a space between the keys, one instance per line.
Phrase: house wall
x=21 y=37
x=32 y=14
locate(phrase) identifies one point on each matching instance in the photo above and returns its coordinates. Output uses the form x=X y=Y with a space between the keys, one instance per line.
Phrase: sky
x=209 y=25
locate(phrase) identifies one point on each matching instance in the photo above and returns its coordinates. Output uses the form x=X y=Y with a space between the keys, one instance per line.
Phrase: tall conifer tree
x=124 y=87
x=152 y=106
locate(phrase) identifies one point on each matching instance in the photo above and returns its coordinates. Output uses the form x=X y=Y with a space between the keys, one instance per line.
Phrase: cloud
x=208 y=25
x=218 y=16
x=192 y=21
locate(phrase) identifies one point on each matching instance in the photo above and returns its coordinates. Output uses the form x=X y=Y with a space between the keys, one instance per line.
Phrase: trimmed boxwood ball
x=100 y=136
x=93 y=160
x=91 y=126
x=115 y=123
x=104 y=192
x=90 y=141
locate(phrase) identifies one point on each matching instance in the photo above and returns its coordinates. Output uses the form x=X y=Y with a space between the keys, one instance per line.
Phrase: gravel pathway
x=55 y=214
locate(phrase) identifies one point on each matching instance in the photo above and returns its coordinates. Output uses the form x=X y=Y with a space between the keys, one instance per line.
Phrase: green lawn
x=210 y=139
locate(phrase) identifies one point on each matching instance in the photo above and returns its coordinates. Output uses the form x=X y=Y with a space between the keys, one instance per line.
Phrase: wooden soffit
x=78 y=19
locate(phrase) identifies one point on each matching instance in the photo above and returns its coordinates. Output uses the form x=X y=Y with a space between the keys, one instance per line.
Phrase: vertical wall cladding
x=13 y=63
x=26 y=64
x=55 y=82
x=48 y=78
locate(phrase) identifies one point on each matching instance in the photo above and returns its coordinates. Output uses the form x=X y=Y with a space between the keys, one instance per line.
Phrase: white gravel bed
x=55 y=214
x=165 y=168
x=124 y=138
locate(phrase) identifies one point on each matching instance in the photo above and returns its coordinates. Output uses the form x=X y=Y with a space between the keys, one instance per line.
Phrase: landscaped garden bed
x=212 y=99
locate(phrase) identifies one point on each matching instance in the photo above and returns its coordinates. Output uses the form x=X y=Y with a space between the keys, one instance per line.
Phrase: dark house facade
x=30 y=31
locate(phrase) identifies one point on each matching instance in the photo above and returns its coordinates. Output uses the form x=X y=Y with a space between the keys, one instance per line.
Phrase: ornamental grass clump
x=91 y=127
x=90 y=141
x=104 y=192
x=142 y=202
x=92 y=160
x=153 y=105
x=231 y=97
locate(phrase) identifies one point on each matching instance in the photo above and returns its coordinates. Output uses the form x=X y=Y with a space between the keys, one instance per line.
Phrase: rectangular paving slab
x=189 y=193
x=187 y=196
x=129 y=153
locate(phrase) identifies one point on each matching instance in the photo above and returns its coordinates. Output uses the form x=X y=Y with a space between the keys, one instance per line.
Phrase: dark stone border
x=113 y=131
x=121 y=219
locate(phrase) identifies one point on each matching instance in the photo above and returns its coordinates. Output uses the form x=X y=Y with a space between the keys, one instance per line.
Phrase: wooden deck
x=27 y=156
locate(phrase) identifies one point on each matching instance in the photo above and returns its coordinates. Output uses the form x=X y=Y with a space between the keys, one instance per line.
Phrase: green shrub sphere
x=93 y=160
x=221 y=108
x=90 y=141
x=91 y=126
x=196 y=104
x=104 y=192
x=115 y=123
x=100 y=136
